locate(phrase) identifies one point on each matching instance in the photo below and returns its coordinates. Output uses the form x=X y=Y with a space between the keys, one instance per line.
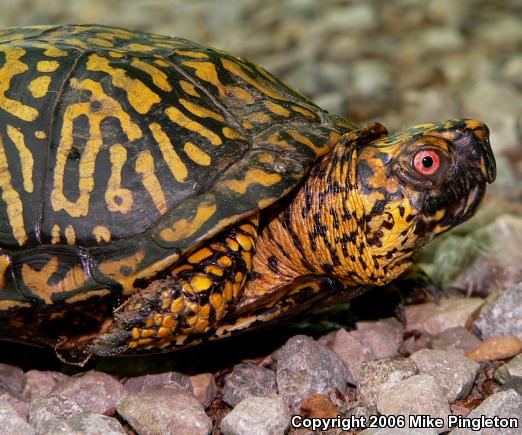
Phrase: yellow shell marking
x=193 y=54
x=185 y=228
x=184 y=121
x=47 y=65
x=240 y=94
x=118 y=198
x=236 y=69
x=206 y=71
x=39 y=134
x=230 y=133
x=139 y=47
x=189 y=88
x=199 y=255
x=196 y=154
x=12 y=200
x=83 y=296
x=100 y=42
x=113 y=269
x=319 y=150
x=13 y=66
x=159 y=78
x=102 y=234
x=26 y=157
x=70 y=235
x=78 y=43
x=109 y=107
x=305 y=112
x=145 y=167
x=201 y=111
x=253 y=176
x=55 y=234
x=39 y=86
x=277 y=109
x=161 y=62
x=140 y=96
x=4 y=264
x=171 y=157
x=37 y=280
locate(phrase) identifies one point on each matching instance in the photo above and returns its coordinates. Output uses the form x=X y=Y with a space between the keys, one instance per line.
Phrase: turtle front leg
x=189 y=304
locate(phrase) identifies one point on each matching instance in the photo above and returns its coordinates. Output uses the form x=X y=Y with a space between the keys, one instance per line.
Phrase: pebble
x=18 y=405
x=382 y=374
x=204 y=388
x=175 y=380
x=434 y=318
x=353 y=352
x=512 y=369
x=248 y=380
x=40 y=383
x=11 y=379
x=318 y=406
x=496 y=348
x=398 y=431
x=11 y=423
x=305 y=367
x=160 y=411
x=454 y=373
x=44 y=410
x=457 y=339
x=502 y=315
x=93 y=391
x=84 y=423
x=502 y=404
x=417 y=395
x=257 y=415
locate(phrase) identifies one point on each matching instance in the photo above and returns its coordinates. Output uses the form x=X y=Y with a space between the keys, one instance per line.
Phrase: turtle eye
x=426 y=162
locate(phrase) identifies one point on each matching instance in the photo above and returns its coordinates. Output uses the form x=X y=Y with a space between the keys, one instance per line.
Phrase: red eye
x=426 y=162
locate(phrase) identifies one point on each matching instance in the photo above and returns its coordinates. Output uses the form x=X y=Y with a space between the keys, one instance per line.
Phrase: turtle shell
x=121 y=151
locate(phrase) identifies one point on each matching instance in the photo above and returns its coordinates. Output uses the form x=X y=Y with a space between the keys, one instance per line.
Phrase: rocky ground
x=398 y=62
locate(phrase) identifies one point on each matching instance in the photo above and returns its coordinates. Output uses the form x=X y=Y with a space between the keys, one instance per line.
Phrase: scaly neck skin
x=323 y=231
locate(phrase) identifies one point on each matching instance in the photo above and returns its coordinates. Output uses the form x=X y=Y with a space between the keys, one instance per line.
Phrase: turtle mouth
x=465 y=207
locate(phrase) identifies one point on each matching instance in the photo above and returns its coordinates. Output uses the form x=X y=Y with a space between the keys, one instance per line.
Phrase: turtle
x=157 y=194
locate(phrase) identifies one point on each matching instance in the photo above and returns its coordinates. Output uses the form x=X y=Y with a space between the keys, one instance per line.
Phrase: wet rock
x=175 y=380
x=257 y=415
x=453 y=372
x=11 y=379
x=382 y=374
x=503 y=404
x=457 y=339
x=48 y=409
x=18 y=405
x=93 y=391
x=204 y=388
x=318 y=406
x=434 y=318
x=85 y=423
x=160 y=411
x=417 y=395
x=502 y=315
x=496 y=348
x=512 y=369
x=248 y=380
x=40 y=383
x=305 y=367
x=11 y=423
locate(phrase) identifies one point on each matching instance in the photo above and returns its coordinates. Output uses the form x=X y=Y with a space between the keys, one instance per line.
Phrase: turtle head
x=422 y=181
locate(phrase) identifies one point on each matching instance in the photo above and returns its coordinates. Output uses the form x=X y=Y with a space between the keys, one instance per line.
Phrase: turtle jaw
x=465 y=207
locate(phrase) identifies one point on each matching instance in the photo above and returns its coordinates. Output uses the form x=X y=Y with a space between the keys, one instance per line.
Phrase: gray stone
x=454 y=373
x=353 y=352
x=502 y=315
x=434 y=318
x=93 y=391
x=204 y=388
x=382 y=374
x=512 y=369
x=457 y=339
x=257 y=416
x=417 y=395
x=248 y=380
x=11 y=423
x=46 y=409
x=162 y=411
x=305 y=367
x=503 y=404
x=84 y=423
x=175 y=380
x=40 y=383
x=18 y=405
x=11 y=379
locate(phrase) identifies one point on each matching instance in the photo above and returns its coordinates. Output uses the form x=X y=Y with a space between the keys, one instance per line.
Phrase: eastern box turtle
x=156 y=193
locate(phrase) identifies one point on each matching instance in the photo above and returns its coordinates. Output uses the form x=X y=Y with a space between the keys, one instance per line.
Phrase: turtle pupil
x=427 y=162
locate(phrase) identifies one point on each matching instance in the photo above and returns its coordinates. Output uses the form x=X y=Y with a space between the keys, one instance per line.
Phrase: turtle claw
x=111 y=344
